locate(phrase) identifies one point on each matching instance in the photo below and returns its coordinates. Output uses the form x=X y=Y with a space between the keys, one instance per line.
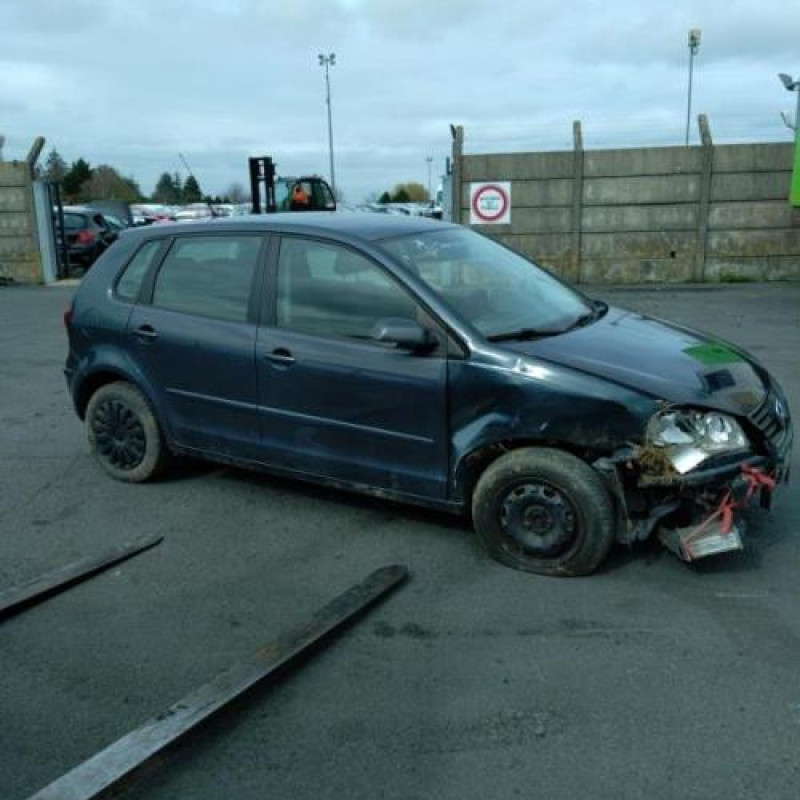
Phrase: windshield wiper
x=524 y=334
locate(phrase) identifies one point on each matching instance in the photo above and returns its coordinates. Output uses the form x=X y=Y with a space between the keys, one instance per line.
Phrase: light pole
x=794 y=192
x=694 y=46
x=329 y=61
x=792 y=86
x=429 y=159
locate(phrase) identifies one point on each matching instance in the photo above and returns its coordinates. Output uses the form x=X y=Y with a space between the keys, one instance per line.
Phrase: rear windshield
x=75 y=221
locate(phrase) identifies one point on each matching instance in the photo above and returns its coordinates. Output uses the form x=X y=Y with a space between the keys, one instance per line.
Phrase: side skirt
x=450 y=506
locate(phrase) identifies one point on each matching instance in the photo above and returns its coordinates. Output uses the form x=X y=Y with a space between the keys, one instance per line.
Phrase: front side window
x=496 y=290
x=329 y=290
x=130 y=281
x=210 y=276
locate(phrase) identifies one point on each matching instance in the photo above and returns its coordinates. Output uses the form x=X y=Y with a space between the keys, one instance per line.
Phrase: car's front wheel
x=544 y=510
x=124 y=434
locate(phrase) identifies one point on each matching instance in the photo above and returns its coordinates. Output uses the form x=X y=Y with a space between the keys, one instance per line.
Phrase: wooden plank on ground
x=106 y=770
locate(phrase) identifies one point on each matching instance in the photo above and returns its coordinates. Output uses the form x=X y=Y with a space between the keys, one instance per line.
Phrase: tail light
x=85 y=237
x=67 y=317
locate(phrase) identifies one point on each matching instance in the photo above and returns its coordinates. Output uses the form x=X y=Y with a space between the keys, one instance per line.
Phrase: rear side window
x=75 y=222
x=210 y=276
x=130 y=282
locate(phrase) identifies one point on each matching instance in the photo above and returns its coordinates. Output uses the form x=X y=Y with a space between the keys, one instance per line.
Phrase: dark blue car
x=422 y=362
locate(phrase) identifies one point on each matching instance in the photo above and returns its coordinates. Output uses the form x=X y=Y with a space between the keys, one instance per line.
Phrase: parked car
x=88 y=234
x=423 y=362
x=195 y=211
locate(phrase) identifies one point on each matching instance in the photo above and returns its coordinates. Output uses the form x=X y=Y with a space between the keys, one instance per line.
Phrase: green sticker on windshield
x=711 y=353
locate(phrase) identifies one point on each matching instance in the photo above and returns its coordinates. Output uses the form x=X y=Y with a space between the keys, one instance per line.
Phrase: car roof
x=369 y=227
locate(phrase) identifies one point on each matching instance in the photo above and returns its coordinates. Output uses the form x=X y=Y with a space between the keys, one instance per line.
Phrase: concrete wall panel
x=602 y=219
x=766 y=214
x=13 y=199
x=754 y=243
x=751 y=186
x=15 y=224
x=635 y=271
x=656 y=245
x=517 y=166
x=14 y=173
x=642 y=161
x=774 y=157
x=646 y=189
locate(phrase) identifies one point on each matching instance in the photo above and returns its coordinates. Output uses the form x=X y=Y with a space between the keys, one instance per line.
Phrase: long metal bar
x=106 y=770
x=330 y=126
x=25 y=594
x=689 y=97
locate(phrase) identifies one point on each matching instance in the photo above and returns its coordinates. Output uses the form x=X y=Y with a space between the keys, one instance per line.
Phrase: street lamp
x=792 y=86
x=329 y=61
x=694 y=46
x=429 y=159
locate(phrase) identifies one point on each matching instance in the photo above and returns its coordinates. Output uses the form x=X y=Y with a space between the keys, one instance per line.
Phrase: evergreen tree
x=165 y=191
x=385 y=198
x=178 y=184
x=401 y=196
x=191 y=191
x=79 y=174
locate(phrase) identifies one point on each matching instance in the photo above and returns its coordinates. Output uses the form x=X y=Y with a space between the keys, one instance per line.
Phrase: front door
x=335 y=403
x=195 y=342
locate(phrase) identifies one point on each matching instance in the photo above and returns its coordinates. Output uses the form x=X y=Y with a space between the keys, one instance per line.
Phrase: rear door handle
x=280 y=356
x=146 y=333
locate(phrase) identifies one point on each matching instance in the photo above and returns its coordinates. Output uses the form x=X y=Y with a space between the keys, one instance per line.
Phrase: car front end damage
x=696 y=471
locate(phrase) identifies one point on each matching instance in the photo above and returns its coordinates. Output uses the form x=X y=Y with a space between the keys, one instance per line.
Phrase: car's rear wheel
x=545 y=511
x=124 y=434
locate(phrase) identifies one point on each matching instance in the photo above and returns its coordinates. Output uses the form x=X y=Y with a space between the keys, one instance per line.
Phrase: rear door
x=335 y=403
x=195 y=340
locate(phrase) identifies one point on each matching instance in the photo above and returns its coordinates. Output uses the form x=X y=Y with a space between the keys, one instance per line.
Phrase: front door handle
x=280 y=356
x=146 y=333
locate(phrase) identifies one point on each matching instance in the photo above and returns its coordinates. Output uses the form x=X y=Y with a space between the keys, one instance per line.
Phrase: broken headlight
x=690 y=437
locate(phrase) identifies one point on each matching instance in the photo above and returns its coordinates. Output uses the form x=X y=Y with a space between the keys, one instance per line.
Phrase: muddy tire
x=545 y=511
x=124 y=435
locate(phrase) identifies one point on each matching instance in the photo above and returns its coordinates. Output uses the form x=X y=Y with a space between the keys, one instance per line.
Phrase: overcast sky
x=134 y=82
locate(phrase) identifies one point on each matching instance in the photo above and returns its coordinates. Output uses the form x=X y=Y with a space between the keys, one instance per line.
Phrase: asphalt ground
x=651 y=678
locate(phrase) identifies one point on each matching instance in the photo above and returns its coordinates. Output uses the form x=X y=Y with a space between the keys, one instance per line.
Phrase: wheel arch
x=101 y=376
x=471 y=465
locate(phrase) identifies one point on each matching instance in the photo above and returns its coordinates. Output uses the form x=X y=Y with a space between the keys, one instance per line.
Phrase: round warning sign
x=490 y=203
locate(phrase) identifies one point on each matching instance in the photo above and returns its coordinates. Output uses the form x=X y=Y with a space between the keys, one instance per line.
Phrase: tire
x=124 y=435
x=545 y=511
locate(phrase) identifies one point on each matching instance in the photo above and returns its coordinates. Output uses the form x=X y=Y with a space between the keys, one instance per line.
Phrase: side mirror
x=406 y=334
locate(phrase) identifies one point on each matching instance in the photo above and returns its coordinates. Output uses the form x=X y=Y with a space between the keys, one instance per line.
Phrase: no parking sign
x=490 y=203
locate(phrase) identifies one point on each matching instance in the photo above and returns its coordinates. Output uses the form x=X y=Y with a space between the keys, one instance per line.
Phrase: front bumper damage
x=698 y=513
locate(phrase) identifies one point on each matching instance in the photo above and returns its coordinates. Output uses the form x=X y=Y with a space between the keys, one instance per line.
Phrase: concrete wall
x=661 y=214
x=19 y=252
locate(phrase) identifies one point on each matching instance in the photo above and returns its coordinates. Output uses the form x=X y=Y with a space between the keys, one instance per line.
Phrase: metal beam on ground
x=107 y=769
x=25 y=594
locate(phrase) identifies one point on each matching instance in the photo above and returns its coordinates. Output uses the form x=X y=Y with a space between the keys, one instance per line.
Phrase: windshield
x=496 y=290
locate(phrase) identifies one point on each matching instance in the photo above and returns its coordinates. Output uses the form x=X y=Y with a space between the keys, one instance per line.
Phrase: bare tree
x=236 y=193
x=2 y=143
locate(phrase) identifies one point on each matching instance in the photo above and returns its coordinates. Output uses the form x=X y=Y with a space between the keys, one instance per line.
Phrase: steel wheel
x=539 y=519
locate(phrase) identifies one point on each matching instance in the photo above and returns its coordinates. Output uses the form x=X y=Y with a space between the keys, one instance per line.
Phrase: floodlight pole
x=694 y=46
x=429 y=159
x=329 y=61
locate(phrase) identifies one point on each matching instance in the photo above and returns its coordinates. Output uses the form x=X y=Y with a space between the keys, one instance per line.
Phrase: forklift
x=306 y=193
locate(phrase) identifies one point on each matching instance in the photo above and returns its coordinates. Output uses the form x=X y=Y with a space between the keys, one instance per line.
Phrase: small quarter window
x=130 y=281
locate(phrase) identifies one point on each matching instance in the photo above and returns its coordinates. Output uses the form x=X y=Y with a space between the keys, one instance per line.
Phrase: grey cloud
x=137 y=82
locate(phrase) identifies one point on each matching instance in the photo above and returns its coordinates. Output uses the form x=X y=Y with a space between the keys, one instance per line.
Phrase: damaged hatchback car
x=422 y=362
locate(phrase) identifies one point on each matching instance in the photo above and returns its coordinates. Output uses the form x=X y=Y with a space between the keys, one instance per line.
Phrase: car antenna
x=189 y=170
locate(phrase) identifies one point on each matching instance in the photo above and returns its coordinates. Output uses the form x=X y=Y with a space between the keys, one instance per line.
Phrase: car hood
x=664 y=360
